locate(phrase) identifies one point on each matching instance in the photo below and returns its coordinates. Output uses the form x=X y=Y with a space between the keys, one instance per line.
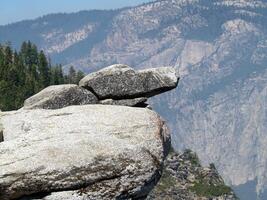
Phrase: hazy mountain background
x=220 y=48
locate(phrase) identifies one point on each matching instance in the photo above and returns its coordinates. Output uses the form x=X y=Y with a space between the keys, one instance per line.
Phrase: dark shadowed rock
x=1 y=129
x=81 y=152
x=59 y=96
x=139 y=102
x=123 y=82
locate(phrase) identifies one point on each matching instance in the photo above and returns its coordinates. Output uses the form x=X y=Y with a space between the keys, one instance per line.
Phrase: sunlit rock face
x=220 y=49
x=82 y=152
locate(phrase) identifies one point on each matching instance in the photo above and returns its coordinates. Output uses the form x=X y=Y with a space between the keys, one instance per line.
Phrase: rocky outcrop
x=123 y=82
x=113 y=85
x=185 y=179
x=59 y=96
x=57 y=148
x=90 y=152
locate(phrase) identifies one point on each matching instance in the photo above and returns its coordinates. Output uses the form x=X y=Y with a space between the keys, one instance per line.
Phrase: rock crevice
x=1 y=129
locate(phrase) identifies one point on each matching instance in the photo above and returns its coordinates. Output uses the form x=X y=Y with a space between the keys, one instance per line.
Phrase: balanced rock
x=59 y=96
x=123 y=82
x=81 y=152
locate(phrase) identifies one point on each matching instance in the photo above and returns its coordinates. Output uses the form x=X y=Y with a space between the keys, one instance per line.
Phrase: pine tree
x=79 y=76
x=43 y=68
x=24 y=73
x=72 y=75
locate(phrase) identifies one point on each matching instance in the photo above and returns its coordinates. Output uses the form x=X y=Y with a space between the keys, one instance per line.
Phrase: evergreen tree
x=72 y=75
x=24 y=73
x=43 y=68
x=79 y=76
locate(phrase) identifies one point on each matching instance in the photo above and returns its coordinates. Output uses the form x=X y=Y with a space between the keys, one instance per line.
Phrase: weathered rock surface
x=123 y=82
x=125 y=102
x=59 y=96
x=185 y=179
x=81 y=152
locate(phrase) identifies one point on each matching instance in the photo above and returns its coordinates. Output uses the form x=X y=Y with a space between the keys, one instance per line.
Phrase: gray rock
x=59 y=96
x=125 y=102
x=82 y=152
x=123 y=82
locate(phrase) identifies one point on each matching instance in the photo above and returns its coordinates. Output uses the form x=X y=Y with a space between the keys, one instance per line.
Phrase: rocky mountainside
x=61 y=35
x=184 y=178
x=220 y=49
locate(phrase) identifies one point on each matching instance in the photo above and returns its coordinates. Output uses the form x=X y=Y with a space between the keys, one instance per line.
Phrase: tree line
x=25 y=72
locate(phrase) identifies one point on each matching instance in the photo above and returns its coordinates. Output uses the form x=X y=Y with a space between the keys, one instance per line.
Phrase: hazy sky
x=16 y=10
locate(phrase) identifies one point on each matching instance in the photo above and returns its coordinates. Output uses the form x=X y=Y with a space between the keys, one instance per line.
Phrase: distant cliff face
x=220 y=48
